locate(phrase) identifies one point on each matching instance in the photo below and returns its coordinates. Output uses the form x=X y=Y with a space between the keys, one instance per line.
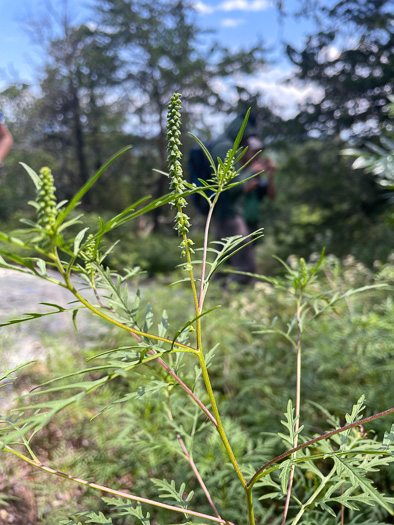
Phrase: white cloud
x=282 y=96
x=232 y=5
x=202 y=8
x=232 y=22
x=244 y=5
x=328 y=54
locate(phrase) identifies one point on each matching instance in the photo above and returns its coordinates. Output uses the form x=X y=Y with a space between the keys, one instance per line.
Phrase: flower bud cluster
x=226 y=175
x=46 y=201
x=90 y=253
x=303 y=272
x=177 y=184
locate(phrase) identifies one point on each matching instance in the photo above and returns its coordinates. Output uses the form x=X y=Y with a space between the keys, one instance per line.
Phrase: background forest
x=105 y=84
x=103 y=80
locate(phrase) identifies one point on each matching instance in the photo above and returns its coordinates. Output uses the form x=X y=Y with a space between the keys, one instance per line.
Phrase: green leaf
x=359 y=480
x=125 y=508
x=99 y=518
x=115 y=220
x=290 y=425
x=241 y=132
x=85 y=188
x=148 y=319
x=351 y=418
x=189 y=323
x=152 y=388
x=162 y=327
x=42 y=266
x=284 y=476
x=37 y=315
x=205 y=150
x=25 y=262
x=33 y=175
x=78 y=240
x=6 y=374
x=74 y=318
x=388 y=439
x=171 y=494
x=278 y=332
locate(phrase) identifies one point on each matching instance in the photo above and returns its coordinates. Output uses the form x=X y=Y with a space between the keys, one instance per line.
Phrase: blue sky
x=237 y=23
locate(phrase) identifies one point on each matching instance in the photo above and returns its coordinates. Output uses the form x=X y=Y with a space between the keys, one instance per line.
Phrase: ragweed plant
x=350 y=456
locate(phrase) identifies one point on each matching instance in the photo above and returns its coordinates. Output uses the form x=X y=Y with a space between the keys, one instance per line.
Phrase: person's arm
x=268 y=168
x=5 y=141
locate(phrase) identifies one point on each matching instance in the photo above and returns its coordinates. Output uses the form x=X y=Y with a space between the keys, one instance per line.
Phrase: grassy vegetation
x=347 y=352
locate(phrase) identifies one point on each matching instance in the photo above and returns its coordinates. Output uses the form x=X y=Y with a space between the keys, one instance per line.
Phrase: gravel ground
x=32 y=340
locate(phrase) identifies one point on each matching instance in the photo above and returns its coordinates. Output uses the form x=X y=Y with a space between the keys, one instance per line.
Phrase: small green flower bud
x=303 y=272
x=46 y=201
x=91 y=255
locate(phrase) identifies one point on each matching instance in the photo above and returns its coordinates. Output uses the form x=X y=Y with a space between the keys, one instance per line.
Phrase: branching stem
x=137 y=334
x=108 y=490
x=204 y=253
x=260 y=472
x=194 y=468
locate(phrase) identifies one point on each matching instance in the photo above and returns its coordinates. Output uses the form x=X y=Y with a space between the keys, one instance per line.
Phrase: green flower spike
x=46 y=201
x=225 y=176
x=177 y=183
x=303 y=272
x=91 y=255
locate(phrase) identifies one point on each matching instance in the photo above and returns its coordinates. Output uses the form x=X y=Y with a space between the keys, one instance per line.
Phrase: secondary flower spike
x=46 y=200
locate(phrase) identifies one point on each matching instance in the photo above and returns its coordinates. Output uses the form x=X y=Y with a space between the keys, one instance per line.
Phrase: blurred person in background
x=260 y=186
x=237 y=211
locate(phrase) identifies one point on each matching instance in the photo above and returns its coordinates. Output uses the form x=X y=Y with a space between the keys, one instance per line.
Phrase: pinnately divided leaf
x=125 y=508
x=359 y=480
x=388 y=439
x=284 y=476
x=290 y=425
x=171 y=494
x=351 y=418
x=99 y=518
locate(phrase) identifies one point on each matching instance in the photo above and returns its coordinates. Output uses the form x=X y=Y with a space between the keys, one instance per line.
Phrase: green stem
x=314 y=496
x=249 y=502
x=206 y=375
x=218 y=420
x=204 y=253
x=117 y=323
x=194 y=291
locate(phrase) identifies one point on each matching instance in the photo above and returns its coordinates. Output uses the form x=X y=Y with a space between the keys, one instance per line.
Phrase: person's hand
x=257 y=165
x=269 y=167
x=251 y=185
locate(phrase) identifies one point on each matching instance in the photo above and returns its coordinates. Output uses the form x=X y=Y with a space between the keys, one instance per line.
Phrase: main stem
x=207 y=380
x=218 y=420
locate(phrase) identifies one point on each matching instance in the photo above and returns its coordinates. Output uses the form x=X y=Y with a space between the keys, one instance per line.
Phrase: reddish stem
x=195 y=470
x=316 y=440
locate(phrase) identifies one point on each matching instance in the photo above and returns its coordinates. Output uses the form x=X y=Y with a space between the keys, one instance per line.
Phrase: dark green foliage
x=322 y=202
x=358 y=79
